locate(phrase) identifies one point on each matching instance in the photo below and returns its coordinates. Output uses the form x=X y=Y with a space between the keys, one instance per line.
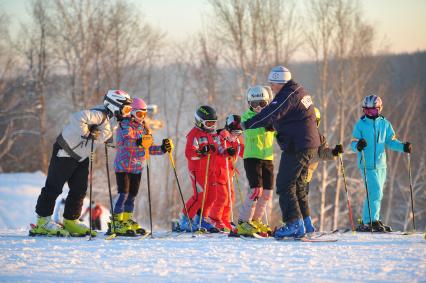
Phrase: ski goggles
x=372 y=112
x=126 y=110
x=209 y=123
x=139 y=114
x=259 y=103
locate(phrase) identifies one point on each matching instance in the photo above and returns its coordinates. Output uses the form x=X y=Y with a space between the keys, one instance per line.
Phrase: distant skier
x=372 y=134
x=324 y=153
x=96 y=215
x=128 y=165
x=231 y=146
x=292 y=115
x=200 y=150
x=258 y=164
x=70 y=163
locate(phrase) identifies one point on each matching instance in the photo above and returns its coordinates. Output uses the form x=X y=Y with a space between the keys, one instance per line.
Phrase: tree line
x=72 y=51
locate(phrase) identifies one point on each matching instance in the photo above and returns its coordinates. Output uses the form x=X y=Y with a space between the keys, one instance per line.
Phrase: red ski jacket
x=220 y=174
x=195 y=140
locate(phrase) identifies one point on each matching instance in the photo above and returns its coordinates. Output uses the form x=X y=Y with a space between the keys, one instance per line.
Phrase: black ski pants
x=61 y=170
x=260 y=173
x=291 y=183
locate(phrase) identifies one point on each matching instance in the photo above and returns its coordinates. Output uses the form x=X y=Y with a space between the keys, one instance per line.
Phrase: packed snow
x=182 y=258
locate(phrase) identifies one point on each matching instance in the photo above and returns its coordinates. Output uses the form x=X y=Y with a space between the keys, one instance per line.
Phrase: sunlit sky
x=401 y=23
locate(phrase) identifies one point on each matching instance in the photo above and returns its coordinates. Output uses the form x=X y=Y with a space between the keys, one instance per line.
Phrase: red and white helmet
x=114 y=101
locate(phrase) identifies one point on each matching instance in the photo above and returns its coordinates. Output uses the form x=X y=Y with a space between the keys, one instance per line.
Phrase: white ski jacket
x=73 y=138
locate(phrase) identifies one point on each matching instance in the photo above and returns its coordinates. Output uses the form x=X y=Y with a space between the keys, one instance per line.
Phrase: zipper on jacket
x=374 y=139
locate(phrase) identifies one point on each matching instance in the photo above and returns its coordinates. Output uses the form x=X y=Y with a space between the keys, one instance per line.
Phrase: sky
x=401 y=24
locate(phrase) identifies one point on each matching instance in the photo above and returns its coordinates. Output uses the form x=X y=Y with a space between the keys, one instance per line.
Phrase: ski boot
x=308 y=225
x=184 y=224
x=205 y=224
x=76 y=228
x=387 y=228
x=220 y=225
x=296 y=229
x=121 y=228
x=246 y=228
x=46 y=227
x=128 y=217
x=264 y=229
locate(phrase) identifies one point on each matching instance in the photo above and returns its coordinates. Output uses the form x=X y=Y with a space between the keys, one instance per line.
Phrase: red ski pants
x=196 y=201
x=221 y=208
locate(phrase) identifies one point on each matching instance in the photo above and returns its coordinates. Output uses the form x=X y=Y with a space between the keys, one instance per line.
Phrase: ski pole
x=110 y=195
x=347 y=193
x=411 y=190
x=229 y=186
x=205 y=192
x=180 y=190
x=238 y=187
x=146 y=143
x=366 y=189
x=90 y=189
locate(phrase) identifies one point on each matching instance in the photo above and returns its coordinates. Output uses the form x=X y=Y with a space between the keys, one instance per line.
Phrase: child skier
x=258 y=164
x=70 y=163
x=324 y=153
x=200 y=151
x=128 y=166
x=371 y=135
x=229 y=149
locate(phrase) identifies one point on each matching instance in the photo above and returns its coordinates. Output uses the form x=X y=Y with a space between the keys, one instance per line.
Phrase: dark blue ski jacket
x=292 y=115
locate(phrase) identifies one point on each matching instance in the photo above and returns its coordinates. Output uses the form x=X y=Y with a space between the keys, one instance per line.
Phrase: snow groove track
x=355 y=257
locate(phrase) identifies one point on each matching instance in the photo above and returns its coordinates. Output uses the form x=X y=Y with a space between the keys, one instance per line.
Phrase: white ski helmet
x=259 y=93
x=114 y=101
x=279 y=75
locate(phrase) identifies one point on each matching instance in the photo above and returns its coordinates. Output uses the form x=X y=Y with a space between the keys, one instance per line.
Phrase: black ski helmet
x=206 y=118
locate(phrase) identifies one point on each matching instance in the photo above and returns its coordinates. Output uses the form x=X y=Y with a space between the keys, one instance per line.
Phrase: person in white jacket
x=70 y=163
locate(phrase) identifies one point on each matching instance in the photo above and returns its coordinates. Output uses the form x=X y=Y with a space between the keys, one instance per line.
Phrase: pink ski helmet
x=139 y=109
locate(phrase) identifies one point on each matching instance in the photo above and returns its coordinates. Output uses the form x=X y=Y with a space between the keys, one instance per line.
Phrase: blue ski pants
x=375 y=183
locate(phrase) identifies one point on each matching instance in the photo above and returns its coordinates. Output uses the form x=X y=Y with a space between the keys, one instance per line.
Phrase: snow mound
x=18 y=198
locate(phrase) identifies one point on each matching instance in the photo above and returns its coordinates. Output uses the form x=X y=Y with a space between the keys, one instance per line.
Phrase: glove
x=167 y=145
x=139 y=142
x=110 y=140
x=205 y=149
x=270 y=128
x=407 y=147
x=337 y=150
x=231 y=151
x=255 y=193
x=361 y=145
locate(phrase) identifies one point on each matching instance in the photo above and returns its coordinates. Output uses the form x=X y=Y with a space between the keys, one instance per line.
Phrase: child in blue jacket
x=371 y=135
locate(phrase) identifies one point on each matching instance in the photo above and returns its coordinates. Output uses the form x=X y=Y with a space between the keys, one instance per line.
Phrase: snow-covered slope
x=18 y=197
x=360 y=257
x=207 y=258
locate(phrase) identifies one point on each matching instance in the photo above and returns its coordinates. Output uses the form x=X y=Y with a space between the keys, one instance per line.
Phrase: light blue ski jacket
x=379 y=135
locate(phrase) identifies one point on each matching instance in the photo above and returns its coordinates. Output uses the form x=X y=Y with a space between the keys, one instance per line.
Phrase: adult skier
x=231 y=146
x=128 y=165
x=200 y=152
x=258 y=164
x=292 y=115
x=70 y=163
x=324 y=153
x=372 y=134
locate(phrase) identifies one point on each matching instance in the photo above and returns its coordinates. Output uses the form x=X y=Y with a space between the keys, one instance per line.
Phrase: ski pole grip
x=147 y=141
